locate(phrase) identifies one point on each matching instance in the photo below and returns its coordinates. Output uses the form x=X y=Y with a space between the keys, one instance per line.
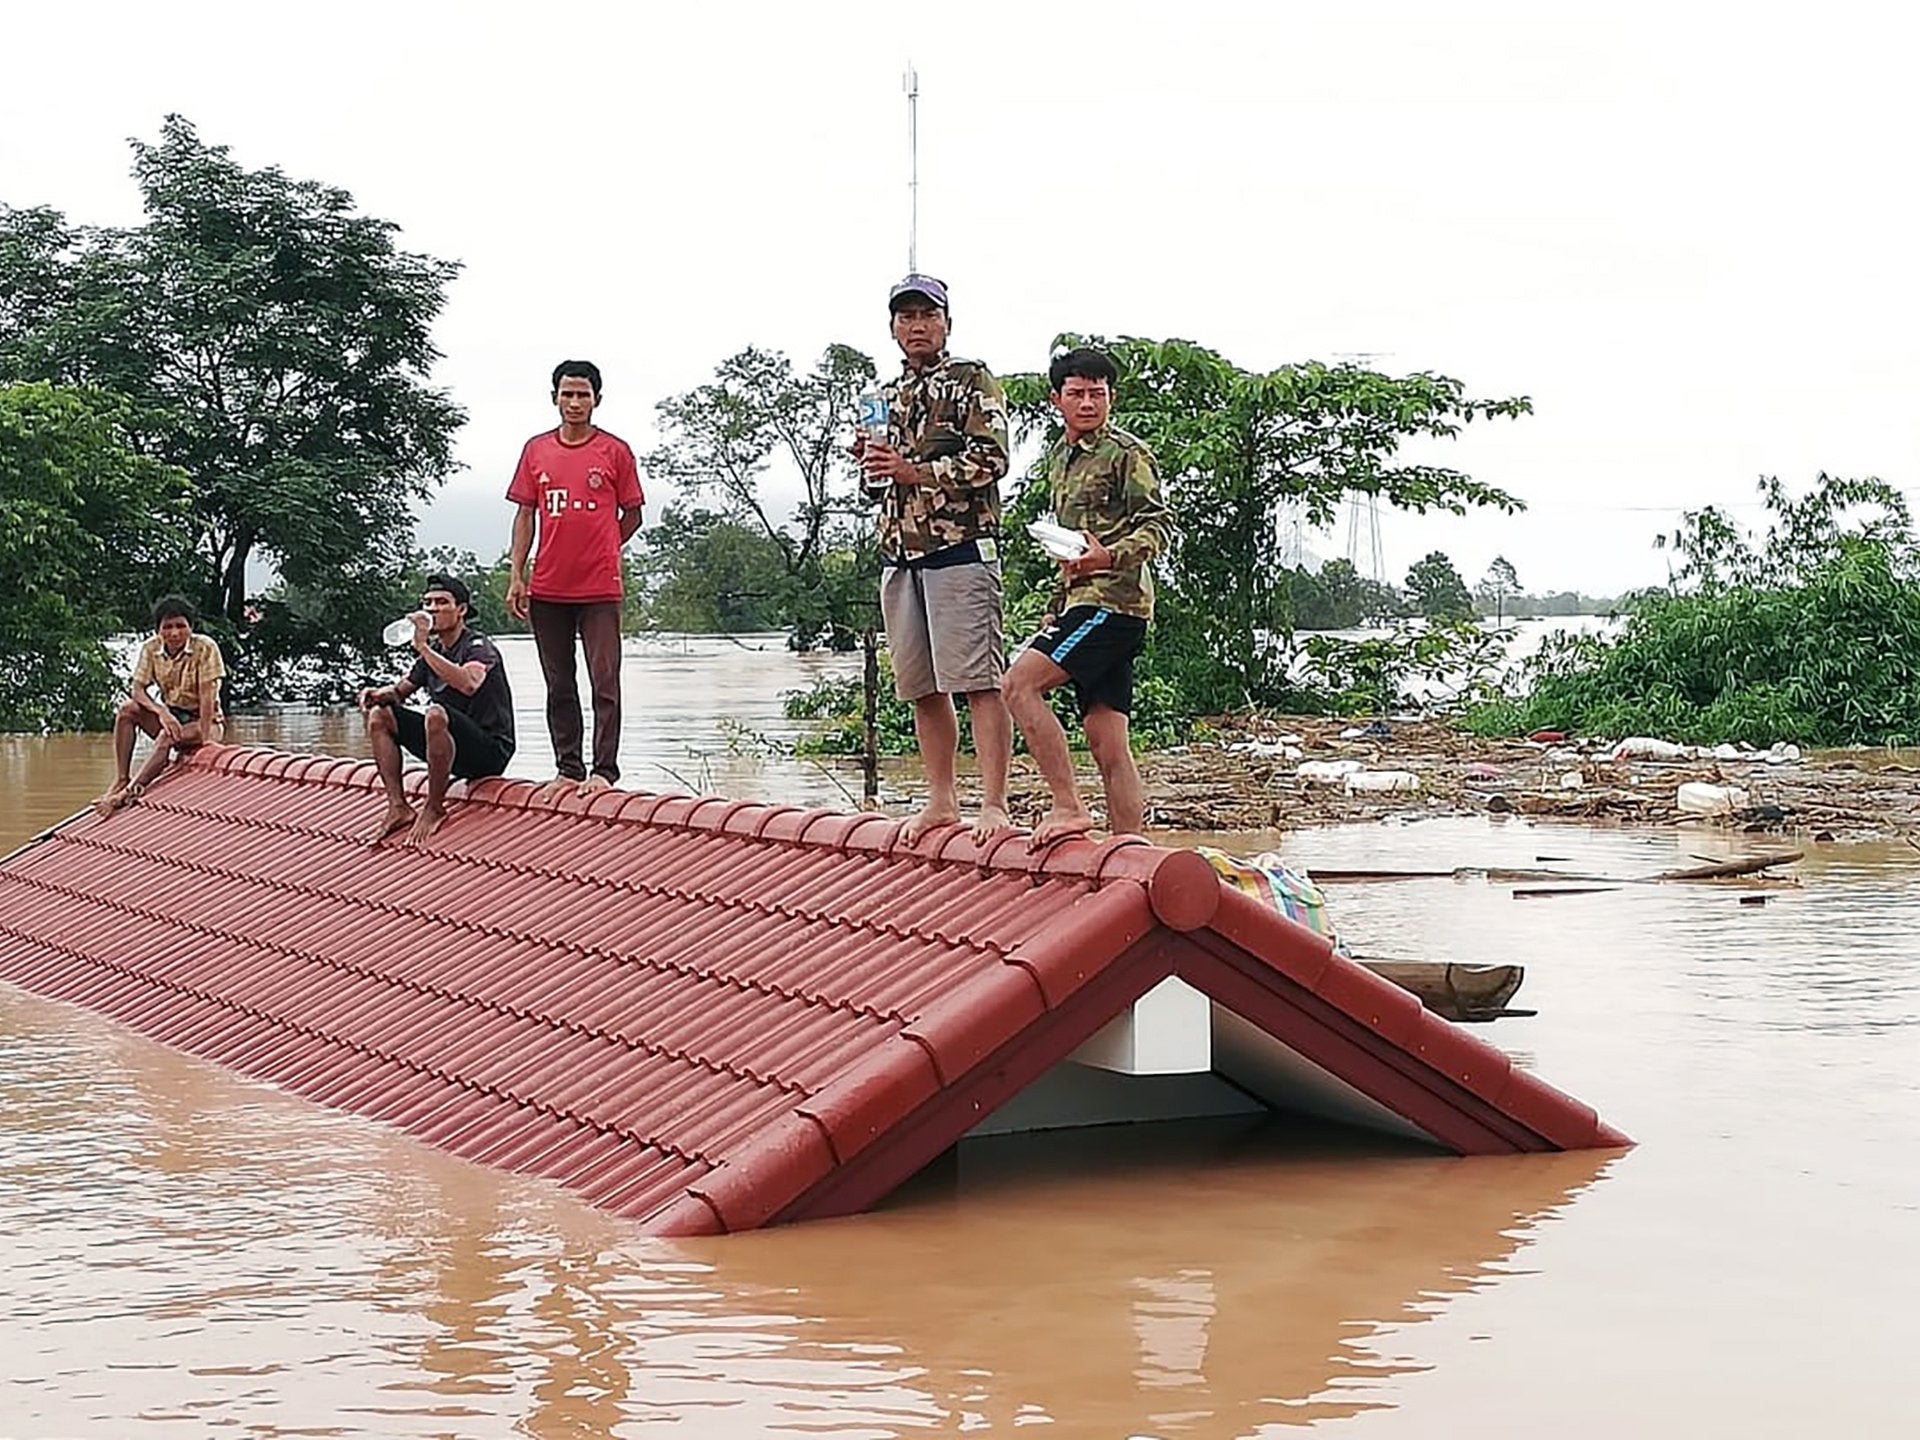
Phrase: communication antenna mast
x=911 y=84
x=1363 y=509
x=1363 y=514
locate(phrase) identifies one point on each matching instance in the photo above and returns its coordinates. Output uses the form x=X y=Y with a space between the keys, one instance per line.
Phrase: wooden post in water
x=870 y=721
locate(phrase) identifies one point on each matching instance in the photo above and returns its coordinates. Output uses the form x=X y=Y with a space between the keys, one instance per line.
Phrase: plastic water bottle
x=870 y=422
x=871 y=416
x=400 y=632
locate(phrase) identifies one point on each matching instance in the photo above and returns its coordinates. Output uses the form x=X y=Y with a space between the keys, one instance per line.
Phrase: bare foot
x=1059 y=825
x=430 y=819
x=112 y=800
x=993 y=821
x=558 y=788
x=930 y=818
x=594 y=784
x=399 y=815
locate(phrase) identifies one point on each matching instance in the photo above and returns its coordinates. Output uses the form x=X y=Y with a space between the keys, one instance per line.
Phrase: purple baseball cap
x=922 y=285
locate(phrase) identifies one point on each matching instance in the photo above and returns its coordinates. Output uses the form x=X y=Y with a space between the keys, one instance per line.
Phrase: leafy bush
x=1812 y=637
x=834 y=703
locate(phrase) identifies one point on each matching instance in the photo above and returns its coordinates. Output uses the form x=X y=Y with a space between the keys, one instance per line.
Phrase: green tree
x=275 y=345
x=1339 y=597
x=1501 y=581
x=90 y=533
x=720 y=441
x=36 y=247
x=702 y=573
x=1435 y=589
x=725 y=440
x=1241 y=449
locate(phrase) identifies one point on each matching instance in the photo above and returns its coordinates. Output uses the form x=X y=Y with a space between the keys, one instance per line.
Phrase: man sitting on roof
x=466 y=730
x=186 y=669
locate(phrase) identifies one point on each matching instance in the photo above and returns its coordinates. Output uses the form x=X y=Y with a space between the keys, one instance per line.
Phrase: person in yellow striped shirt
x=185 y=669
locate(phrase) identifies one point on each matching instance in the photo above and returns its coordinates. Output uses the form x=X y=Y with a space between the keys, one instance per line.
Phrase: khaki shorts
x=943 y=628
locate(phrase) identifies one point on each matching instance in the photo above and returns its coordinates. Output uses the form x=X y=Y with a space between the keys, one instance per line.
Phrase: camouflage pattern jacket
x=1105 y=483
x=950 y=420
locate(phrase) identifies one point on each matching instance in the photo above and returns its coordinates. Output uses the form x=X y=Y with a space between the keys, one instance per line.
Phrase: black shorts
x=185 y=717
x=476 y=754
x=1096 y=648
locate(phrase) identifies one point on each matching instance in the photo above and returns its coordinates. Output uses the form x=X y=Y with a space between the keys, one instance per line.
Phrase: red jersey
x=578 y=491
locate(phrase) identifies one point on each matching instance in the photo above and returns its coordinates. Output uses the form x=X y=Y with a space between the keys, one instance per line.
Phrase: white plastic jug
x=1697 y=797
x=1325 y=772
x=1382 y=780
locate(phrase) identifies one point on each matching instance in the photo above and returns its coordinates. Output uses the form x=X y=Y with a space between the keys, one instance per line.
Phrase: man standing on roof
x=1103 y=483
x=579 y=488
x=186 y=669
x=936 y=477
x=466 y=730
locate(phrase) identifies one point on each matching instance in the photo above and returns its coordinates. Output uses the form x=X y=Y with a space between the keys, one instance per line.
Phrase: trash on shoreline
x=1210 y=786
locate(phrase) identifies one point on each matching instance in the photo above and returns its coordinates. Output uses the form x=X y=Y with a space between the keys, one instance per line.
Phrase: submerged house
x=711 y=1015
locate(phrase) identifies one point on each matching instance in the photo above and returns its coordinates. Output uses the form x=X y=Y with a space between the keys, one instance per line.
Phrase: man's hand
x=374 y=695
x=517 y=598
x=880 y=461
x=1097 y=559
x=422 y=631
x=169 y=726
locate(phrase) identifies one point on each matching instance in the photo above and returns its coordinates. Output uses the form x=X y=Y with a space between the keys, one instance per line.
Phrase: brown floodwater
x=189 y=1253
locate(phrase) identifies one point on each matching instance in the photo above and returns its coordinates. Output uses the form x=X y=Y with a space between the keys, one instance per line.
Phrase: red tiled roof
x=705 y=1014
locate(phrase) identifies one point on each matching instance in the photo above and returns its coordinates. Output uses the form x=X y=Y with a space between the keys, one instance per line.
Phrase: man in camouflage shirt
x=1103 y=484
x=936 y=476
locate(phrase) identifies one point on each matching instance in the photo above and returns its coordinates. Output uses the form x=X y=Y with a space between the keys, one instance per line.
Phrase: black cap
x=922 y=285
x=454 y=587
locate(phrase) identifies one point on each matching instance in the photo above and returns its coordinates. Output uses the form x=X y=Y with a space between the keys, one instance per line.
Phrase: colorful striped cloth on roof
x=1267 y=879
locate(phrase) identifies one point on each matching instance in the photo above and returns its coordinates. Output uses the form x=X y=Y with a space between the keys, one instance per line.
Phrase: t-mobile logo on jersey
x=556 y=500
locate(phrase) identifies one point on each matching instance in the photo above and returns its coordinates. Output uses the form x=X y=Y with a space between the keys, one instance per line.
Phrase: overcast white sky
x=1685 y=230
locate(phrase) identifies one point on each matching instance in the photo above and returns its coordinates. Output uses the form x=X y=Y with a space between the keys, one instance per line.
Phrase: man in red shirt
x=579 y=488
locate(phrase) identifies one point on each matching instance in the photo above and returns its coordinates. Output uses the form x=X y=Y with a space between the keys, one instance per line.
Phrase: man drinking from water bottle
x=466 y=730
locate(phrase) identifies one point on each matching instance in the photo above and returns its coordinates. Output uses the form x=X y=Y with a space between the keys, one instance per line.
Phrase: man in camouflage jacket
x=936 y=477
x=1103 y=483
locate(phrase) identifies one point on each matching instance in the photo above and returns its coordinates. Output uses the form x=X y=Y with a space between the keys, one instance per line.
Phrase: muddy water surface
x=186 y=1253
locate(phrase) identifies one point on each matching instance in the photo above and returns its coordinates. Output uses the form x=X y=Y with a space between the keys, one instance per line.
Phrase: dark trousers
x=476 y=754
x=555 y=624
